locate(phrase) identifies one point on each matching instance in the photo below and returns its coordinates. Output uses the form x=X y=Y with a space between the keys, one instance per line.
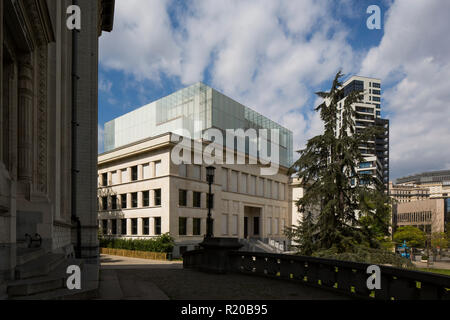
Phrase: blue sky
x=273 y=55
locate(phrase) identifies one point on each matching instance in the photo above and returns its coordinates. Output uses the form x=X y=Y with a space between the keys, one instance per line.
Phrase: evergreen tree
x=350 y=206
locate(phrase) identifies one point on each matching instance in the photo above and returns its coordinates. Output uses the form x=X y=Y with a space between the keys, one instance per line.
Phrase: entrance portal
x=252 y=222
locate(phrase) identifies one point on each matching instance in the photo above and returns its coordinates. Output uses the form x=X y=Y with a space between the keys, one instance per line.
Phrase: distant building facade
x=422 y=200
x=143 y=193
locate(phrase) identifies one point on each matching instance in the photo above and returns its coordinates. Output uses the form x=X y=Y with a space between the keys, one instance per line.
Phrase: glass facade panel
x=192 y=109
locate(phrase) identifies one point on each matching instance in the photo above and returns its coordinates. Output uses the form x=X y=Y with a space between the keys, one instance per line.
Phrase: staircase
x=42 y=276
x=256 y=245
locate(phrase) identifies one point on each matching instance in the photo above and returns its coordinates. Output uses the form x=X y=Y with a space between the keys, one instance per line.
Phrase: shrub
x=163 y=243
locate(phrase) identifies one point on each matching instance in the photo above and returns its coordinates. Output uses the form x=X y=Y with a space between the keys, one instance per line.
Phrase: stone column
x=152 y=198
x=25 y=108
x=152 y=169
x=128 y=226
x=190 y=199
x=151 y=226
x=140 y=226
x=140 y=172
x=140 y=199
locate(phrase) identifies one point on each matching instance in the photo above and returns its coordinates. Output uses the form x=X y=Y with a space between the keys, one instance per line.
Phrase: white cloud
x=414 y=54
x=263 y=54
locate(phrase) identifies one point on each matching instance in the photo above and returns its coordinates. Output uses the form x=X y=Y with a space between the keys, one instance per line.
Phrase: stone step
x=25 y=255
x=39 y=267
x=89 y=288
x=55 y=280
x=35 y=285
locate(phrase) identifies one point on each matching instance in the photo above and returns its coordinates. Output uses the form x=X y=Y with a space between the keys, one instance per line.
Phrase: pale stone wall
x=412 y=213
x=227 y=203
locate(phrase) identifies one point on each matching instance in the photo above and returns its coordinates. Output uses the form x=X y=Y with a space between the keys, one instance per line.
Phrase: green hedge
x=163 y=243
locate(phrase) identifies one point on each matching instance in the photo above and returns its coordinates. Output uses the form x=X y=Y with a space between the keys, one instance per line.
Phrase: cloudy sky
x=273 y=55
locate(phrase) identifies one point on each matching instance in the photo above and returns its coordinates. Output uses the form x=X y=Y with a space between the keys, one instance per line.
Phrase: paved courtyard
x=125 y=278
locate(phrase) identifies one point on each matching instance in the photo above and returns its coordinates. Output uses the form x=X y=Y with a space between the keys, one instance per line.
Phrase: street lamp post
x=210 y=180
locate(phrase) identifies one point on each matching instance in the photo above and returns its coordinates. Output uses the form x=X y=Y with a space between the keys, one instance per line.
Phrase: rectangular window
x=146 y=171
x=123 y=201
x=104 y=179
x=261 y=187
x=158 y=169
x=197 y=197
x=114 y=177
x=182 y=223
x=134 y=226
x=376 y=91
x=105 y=203
x=275 y=226
x=212 y=201
x=124 y=176
x=244 y=183
x=114 y=202
x=269 y=188
x=224 y=179
x=114 y=226
x=376 y=85
x=105 y=226
x=134 y=200
x=282 y=191
x=224 y=224
x=376 y=99
x=157 y=197
x=234 y=181
x=269 y=225
x=123 y=226
x=234 y=224
x=275 y=191
x=196 y=226
x=252 y=185
x=182 y=198
x=145 y=198
x=157 y=226
x=182 y=170
x=134 y=173
x=146 y=226
x=196 y=172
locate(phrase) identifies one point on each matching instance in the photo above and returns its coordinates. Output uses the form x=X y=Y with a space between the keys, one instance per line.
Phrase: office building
x=143 y=193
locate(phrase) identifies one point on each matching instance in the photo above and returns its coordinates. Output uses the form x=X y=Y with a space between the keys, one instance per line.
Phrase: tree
x=413 y=236
x=352 y=205
x=439 y=240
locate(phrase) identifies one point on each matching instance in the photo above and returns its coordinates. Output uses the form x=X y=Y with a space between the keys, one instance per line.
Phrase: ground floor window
x=157 y=225
x=105 y=226
x=123 y=226
x=114 y=226
x=146 y=224
x=134 y=226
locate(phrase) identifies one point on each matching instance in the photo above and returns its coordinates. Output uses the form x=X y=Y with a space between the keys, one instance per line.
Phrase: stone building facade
x=48 y=80
x=143 y=194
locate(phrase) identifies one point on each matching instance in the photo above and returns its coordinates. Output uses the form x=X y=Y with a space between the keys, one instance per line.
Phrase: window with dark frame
x=157 y=225
x=196 y=226
x=134 y=173
x=146 y=198
x=146 y=226
x=114 y=202
x=114 y=226
x=197 y=197
x=182 y=224
x=105 y=226
x=104 y=179
x=182 y=198
x=123 y=226
x=134 y=200
x=104 y=203
x=134 y=228
x=123 y=201
x=157 y=197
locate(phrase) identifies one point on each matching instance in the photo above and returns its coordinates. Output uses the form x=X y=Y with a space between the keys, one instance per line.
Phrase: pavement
x=433 y=265
x=123 y=278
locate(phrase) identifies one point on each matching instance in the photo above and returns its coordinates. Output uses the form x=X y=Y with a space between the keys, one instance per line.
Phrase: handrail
x=345 y=277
